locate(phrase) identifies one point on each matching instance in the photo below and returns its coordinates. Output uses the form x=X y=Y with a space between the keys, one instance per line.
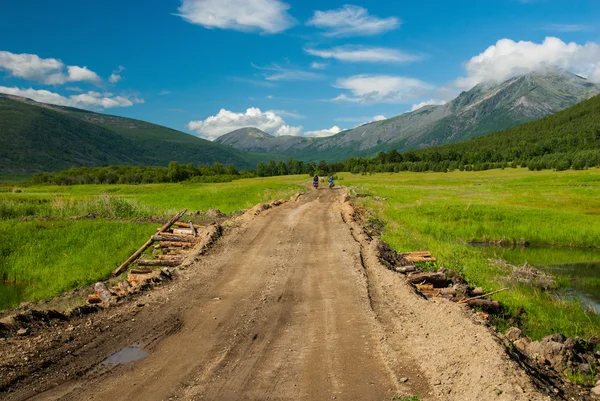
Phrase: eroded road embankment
x=290 y=305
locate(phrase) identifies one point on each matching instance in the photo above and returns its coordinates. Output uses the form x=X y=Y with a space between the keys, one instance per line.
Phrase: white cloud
x=380 y=88
x=365 y=54
x=323 y=132
x=352 y=20
x=379 y=118
x=81 y=74
x=226 y=121
x=270 y=121
x=48 y=71
x=116 y=75
x=93 y=100
x=430 y=102
x=164 y=92
x=507 y=59
x=318 y=66
x=275 y=72
x=289 y=130
x=268 y=16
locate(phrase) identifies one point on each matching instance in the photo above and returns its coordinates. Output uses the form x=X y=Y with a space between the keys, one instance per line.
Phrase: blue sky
x=288 y=67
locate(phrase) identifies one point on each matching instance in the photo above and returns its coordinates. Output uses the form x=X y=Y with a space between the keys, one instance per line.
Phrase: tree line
x=175 y=172
x=569 y=139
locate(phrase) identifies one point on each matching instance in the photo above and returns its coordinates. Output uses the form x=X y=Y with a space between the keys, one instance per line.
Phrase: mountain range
x=483 y=109
x=41 y=137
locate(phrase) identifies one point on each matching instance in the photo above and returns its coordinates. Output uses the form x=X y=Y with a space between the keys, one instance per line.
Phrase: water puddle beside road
x=577 y=269
x=125 y=356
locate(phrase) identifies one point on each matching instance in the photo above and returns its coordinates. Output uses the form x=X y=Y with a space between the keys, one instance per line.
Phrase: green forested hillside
x=36 y=137
x=567 y=139
x=571 y=136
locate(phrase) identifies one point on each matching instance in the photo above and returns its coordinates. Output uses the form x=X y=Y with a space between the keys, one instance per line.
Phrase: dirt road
x=288 y=306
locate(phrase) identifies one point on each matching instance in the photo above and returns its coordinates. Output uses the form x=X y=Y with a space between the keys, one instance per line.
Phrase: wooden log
x=102 y=291
x=137 y=253
x=406 y=269
x=169 y=257
x=172 y=238
x=193 y=228
x=424 y=287
x=484 y=295
x=141 y=271
x=490 y=305
x=169 y=223
x=94 y=299
x=186 y=225
x=448 y=291
x=414 y=259
x=183 y=231
x=133 y=257
x=172 y=244
x=438 y=280
x=142 y=262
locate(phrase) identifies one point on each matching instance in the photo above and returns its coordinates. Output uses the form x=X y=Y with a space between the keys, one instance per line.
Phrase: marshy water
x=577 y=270
x=11 y=295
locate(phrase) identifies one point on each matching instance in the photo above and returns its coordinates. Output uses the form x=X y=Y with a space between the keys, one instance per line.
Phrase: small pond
x=578 y=269
x=10 y=295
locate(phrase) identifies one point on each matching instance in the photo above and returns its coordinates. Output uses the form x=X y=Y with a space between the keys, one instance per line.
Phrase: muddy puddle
x=125 y=356
x=577 y=269
x=11 y=295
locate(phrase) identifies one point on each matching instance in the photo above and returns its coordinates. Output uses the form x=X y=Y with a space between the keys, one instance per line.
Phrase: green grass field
x=44 y=251
x=443 y=212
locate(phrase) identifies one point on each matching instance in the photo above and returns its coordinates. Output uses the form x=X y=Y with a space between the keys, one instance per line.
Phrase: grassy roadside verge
x=45 y=251
x=442 y=212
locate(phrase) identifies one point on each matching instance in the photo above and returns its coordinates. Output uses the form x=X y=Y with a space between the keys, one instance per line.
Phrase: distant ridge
x=484 y=109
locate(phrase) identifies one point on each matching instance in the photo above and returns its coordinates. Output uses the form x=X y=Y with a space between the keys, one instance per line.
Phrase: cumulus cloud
x=81 y=74
x=226 y=121
x=48 y=71
x=430 y=102
x=323 y=132
x=380 y=88
x=89 y=100
x=352 y=20
x=507 y=59
x=270 y=121
x=275 y=72
x=365 y=54
x=267 y=16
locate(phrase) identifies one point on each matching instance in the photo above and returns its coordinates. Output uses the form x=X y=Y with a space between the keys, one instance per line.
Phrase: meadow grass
x=45 y=252
x=172 y=197
x=443 y=212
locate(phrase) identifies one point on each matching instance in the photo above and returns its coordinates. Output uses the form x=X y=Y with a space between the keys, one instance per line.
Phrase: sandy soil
x=290 y=305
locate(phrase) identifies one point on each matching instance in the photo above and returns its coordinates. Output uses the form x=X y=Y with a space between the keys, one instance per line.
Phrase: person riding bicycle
x=331 y=184
x=316 y=181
